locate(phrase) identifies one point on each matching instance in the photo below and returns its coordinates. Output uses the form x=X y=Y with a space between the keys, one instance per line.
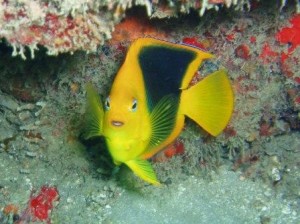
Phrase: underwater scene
x=150 y=111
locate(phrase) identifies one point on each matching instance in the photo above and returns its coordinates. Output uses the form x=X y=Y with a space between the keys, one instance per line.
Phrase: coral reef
x=60 y=26
x=68 y=26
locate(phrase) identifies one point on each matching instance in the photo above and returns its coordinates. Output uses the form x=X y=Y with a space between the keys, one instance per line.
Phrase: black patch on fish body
x=163 y=69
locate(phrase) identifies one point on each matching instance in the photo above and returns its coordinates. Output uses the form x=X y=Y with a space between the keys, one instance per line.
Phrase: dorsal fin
x=166 y=67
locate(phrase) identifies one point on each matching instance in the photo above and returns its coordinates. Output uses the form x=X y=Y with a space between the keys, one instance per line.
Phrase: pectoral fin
x=163 y=118
x=94 y=113
x=144 y=170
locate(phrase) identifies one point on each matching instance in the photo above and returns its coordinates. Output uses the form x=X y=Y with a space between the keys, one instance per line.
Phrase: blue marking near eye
x=134 y=105
x=107 y=103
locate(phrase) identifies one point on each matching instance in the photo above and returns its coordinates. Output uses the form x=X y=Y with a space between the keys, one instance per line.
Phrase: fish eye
x=107 y=103
x=134 y=105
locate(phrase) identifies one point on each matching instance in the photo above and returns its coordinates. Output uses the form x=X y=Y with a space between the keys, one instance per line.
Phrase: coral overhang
x=68 y=26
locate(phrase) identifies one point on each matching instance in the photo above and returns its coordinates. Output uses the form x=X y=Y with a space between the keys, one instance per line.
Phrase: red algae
x=297 y=80
x=268 y=54
x=229 y=131
x=10 y=209
x=290 y=35
x=242 y=51
x=193 y=41
x=133 y=27
x=297 y=100
x=253 y=39
x=230 y=37
x=42 y=204
x=174 y=149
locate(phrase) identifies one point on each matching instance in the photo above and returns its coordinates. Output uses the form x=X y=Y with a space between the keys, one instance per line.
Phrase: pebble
x=102 y=195
x=11 y=118
x=24 y=171
x=268 y=192
x=28 y=106
x=25 y=115
x=8 y=102
x=32 y=140
x=30 y=154
x=70 y=200
x=6 y=131
x=102 y=171
x=28 y=127
x=276 y=174
x=42 y=105
x=286 y=210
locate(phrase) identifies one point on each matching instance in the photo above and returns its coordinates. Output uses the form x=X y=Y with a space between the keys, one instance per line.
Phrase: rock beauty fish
x=149 y=100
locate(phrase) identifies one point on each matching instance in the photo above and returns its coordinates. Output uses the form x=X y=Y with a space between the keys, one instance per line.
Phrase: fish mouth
x=117 y=123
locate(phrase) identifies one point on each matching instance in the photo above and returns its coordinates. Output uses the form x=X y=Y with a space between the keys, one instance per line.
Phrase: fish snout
x=117 y=123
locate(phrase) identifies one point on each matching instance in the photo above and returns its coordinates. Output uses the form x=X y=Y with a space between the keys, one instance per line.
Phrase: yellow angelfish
x=149 y=100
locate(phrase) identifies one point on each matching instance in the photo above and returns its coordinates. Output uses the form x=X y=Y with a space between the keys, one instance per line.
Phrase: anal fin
x=144 y=170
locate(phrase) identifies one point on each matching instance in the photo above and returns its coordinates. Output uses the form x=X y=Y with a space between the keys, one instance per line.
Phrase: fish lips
x=116 y=123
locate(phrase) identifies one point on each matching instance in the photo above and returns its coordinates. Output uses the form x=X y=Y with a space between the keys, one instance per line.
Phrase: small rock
x=25 y=115
x=30 y=154
x=268 y=192
x=29 y=106
x=2 y=147
x=6 y=130
x=70 y=200
x=42 y=105
x=286 y=210
x=276 y=174
x=102 y=171
x=28 y=127
x=24 y=171
x=8 y=102
x=12 y=118
x=265 y=219
x=102 y=195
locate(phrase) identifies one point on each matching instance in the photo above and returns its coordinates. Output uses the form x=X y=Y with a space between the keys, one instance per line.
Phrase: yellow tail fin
x=210 y=102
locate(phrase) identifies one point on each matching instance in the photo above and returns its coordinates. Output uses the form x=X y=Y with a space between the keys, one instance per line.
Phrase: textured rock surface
x=68 y=26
